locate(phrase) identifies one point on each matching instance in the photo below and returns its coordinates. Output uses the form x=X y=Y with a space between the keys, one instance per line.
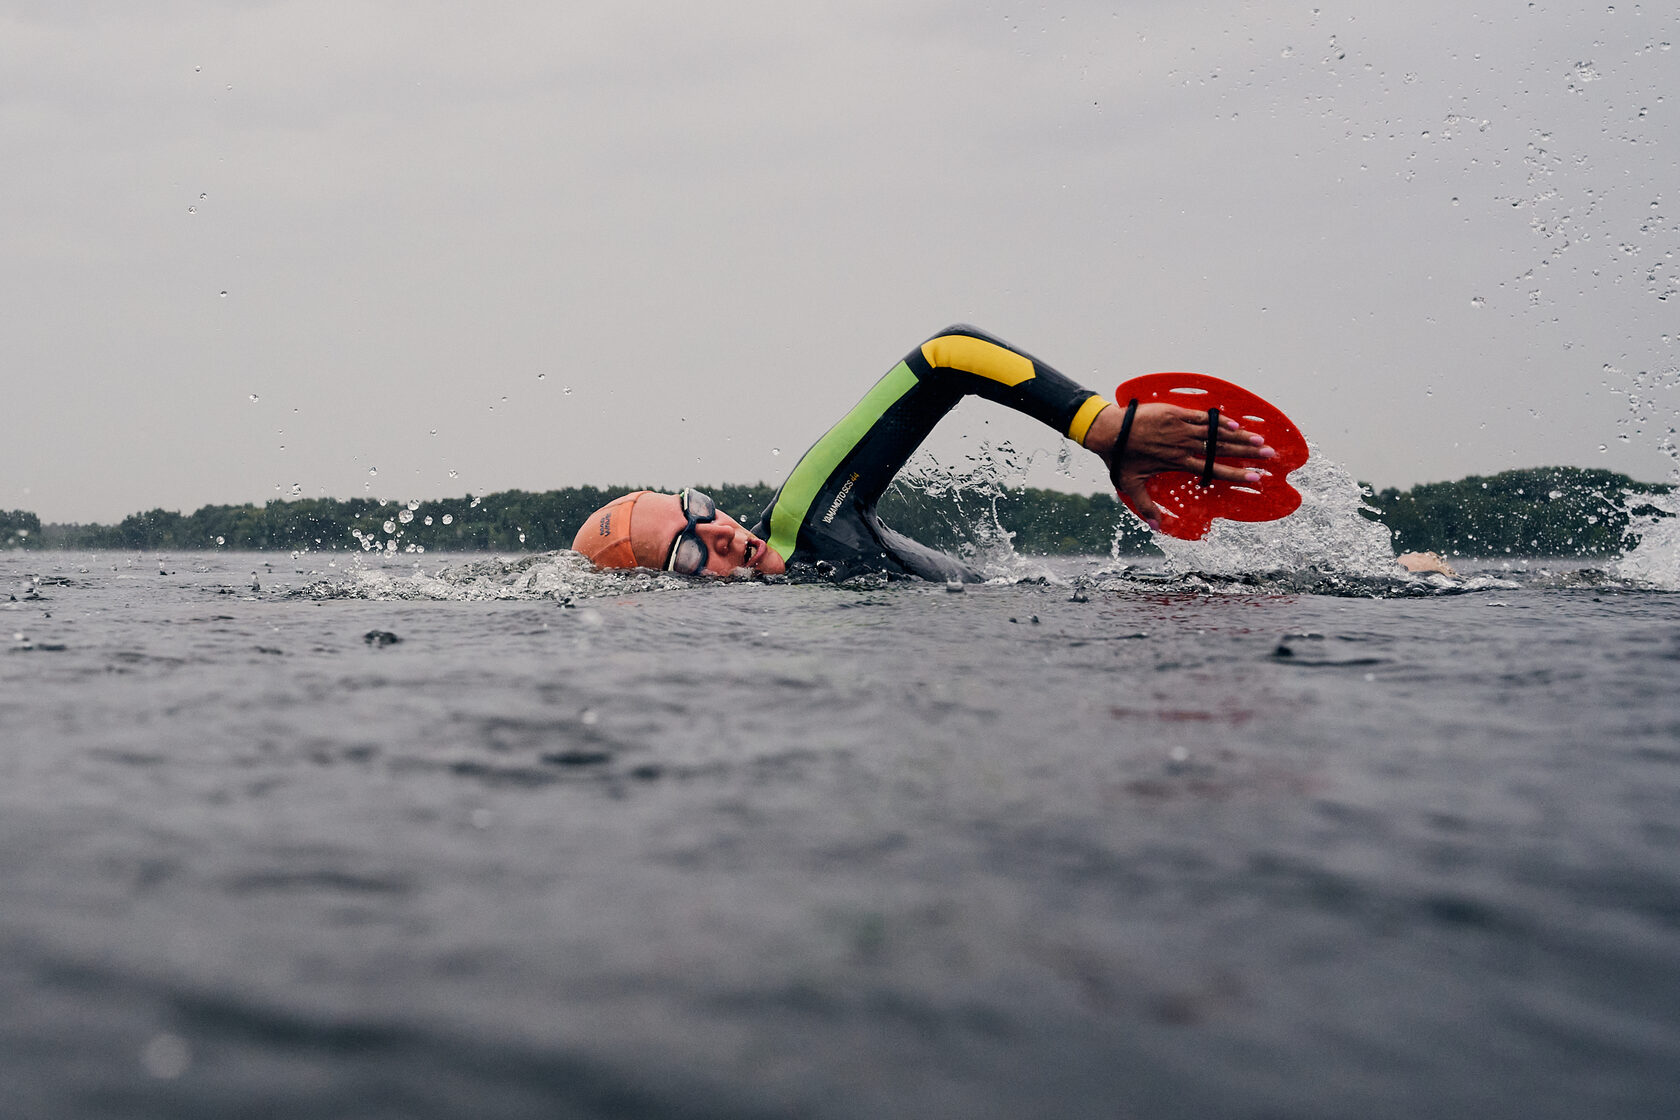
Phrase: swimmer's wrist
x=1099 y=436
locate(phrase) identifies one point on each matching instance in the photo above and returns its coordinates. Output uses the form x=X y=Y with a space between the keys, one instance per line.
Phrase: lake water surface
x=322 y=837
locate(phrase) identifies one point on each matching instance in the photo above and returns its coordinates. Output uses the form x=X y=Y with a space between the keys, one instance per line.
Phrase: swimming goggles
x=688 y=552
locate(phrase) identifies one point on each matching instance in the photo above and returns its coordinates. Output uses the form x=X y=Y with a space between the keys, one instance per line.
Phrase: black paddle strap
x=1119 y=451
x=1212 y=446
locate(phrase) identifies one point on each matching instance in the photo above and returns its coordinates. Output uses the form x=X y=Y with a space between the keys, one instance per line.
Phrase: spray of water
x=563 y=576
x=1655 y=560
x=967 y=494
x=1329 y=536
x=1328 y=546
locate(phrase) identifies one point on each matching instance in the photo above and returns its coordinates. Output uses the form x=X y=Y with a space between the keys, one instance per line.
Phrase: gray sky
x=497 y=245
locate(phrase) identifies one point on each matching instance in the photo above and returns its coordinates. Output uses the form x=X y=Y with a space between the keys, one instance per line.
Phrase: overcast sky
x=251 y=250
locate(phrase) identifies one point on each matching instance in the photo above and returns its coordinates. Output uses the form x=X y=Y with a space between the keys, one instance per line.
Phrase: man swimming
x=823 y=515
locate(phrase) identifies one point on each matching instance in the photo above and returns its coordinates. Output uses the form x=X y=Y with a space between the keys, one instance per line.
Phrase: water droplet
x=428 y=520
x=775 y=451
x=434 y=431
x=1428 y=391
x=449 y=519
x=221 y=540
x=1478 y=301
x=297 y=487
x=202 y=196
x=454 y=474
x=589 y=717
x=542 y=377
x=390 y=526
x=1455 y=200
x=405 y=516
x=224 y=294
x=1602 y=449
x=373 y=472
x=522 y=538
x=253 y=398
x=568 y=390
x=192 y=209
x=166 y=1057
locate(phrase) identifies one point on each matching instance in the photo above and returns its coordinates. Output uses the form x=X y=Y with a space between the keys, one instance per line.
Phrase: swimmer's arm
x=1165 y=437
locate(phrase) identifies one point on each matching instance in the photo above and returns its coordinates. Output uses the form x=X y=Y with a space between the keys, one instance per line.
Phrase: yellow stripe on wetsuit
x=979 y=357
x=995 y=363
x=1085 y=417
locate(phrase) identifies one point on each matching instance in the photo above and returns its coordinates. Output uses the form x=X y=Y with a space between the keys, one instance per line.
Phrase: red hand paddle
x=1183 y=493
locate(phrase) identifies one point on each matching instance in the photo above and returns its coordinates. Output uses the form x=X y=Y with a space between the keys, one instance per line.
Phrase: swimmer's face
x=660 y=518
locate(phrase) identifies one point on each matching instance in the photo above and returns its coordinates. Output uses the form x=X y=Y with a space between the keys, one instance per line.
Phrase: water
x=1163 y=843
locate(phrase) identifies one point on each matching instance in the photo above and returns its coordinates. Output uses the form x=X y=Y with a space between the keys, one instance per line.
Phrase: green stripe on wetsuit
x=819 y=463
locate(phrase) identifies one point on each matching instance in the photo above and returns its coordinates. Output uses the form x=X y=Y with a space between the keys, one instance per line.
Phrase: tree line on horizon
x=1538 y=511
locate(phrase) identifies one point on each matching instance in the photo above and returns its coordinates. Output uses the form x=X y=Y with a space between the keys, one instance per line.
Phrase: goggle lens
x=688 y=551
x=689 y=556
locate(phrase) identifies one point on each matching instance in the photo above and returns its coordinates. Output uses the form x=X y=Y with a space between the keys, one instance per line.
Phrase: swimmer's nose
x=731 y=540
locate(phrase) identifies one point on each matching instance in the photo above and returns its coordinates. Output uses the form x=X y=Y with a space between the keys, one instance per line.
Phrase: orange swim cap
x=605 y=537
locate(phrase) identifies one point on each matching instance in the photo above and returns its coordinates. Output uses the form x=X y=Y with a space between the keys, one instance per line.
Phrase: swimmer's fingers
x=1239 y=443
x=1165 y=437
x=1146 y=508
x=1246 y=475
x=1233 y=439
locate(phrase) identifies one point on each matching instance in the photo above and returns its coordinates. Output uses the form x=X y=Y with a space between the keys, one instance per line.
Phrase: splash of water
x=1655 y=560
x=970 y=490
x=563 y=576
x=1328 y=544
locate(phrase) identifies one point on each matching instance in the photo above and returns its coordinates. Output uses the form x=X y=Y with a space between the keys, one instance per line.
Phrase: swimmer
x=823 y=516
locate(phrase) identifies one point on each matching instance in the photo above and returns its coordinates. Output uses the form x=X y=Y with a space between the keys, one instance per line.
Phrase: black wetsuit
x=825 y=511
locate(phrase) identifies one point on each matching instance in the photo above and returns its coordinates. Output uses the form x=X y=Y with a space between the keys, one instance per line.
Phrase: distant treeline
x=1544 y=511
x=1538 y=511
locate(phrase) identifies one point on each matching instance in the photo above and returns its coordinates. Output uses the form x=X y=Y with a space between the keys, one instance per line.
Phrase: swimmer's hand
x=1164 y=438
